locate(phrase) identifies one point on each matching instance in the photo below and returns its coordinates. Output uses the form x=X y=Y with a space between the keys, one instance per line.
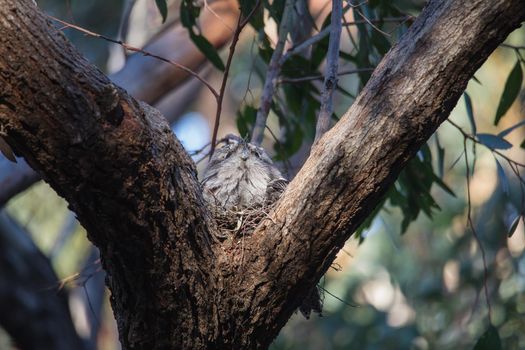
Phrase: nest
x=237 y=222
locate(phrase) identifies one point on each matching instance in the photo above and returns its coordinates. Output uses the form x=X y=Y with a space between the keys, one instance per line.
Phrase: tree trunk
x=135 y=190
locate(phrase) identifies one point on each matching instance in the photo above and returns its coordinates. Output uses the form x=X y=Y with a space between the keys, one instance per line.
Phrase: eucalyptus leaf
x=503 y=178
x=511 y=129
x=470 y=112
x=440 y=157
x=208 y=50
x=163 y=9
x=510 y=91
x=6 y=150
x=188 y=17
x=513 y=226
x=489 y=340
x=493 y=141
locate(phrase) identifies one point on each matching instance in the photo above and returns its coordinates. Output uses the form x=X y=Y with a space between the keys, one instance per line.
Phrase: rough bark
x=128 y=180
x=33 y=310
x=144 y=78
x=134 y=189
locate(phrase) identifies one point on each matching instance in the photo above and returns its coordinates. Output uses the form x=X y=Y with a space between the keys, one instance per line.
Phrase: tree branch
x=144 y=78
x=274 y=67
x=332 y=65
x=409 y=95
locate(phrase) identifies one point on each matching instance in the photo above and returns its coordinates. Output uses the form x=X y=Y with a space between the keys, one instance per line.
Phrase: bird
x=241 y=175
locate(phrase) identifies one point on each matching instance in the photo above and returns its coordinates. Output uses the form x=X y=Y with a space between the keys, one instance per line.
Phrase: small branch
x=473 y=138
x=332 y=64
x=124 y=21
x=136 y=49
x=313 y=40
x=274 y=68
x=320 y=76
x=379 y=20
x=241 y=23
x=370 y=22
x=475 y=234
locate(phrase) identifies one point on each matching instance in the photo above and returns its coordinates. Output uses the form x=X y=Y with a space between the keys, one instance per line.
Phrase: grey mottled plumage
x=241 y=175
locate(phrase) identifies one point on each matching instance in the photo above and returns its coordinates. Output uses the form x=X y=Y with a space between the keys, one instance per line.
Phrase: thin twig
x=216 y=15
x=123 y=27
x=274 y=68
x=473 y=138
x=379 y=20
x=241 y=23
x=305 y=44
x=332 y=65
x=338 y=298
x=475 y=234
x=136 y=49
x=320 y=76
x=310 y=41
x=370 y=23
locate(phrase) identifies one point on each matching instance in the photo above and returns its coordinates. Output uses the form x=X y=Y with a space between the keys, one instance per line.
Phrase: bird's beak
x=245 y=153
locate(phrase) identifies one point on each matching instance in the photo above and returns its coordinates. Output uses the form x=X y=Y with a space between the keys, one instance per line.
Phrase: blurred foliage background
x=407 y=280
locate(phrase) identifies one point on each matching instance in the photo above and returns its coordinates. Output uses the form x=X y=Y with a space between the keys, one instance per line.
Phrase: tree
x=134 y=188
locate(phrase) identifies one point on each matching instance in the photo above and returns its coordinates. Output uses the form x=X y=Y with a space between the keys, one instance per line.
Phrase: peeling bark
x=135 y=190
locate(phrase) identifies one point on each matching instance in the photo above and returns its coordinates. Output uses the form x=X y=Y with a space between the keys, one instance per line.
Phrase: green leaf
x=163 y=9
x=489 y=340
x=522 y=145
x=188 y=17
x=440 y=157
x=246 y=120
x=208 y=50
x=503 y=178
x=443 y=185
x=6 y=150
x=510 y=91
x=188 y=13
x=513 y=226
x=257 y=20
x=511 y=129
x=470 y=112
x=380 y=42
x=476 y=80
x=493 y=141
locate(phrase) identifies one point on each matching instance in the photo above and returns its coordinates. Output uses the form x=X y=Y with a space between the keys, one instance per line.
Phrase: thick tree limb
x=331 y=76
x=145 y=78
x=135 y=190
x=157 y=264
x=409 y=95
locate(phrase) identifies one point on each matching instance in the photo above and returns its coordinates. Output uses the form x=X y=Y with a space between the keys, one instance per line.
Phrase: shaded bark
x=135 y=190
x=33 y=310
x=144 y=78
